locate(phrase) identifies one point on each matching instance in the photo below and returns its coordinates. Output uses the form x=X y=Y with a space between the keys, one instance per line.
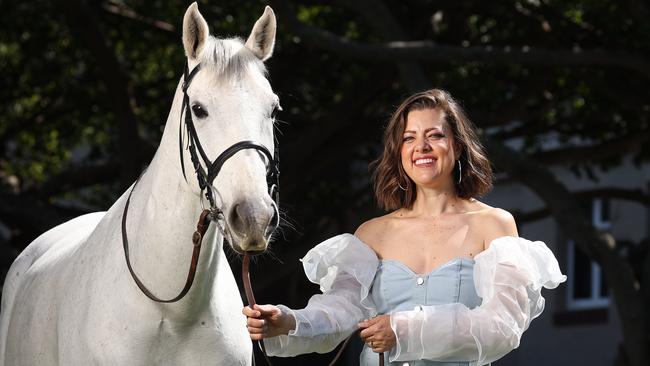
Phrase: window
x=586 y=285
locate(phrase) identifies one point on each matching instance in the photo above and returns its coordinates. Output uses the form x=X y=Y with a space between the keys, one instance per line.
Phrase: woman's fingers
x=266 y=310
x=379 y=349
x=256 y=337
x=260 y=311
x=365 y=334
x=251 y=313
x=253 y=330
x=264 y=321
x=377 y=333
x=367 y=323
x=255 y=323
x=368 y=329
x=377 y=344
x=257 y=328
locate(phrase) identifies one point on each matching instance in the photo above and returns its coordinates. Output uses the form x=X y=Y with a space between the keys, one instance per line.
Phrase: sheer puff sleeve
x=344 y=267
x=508 y=276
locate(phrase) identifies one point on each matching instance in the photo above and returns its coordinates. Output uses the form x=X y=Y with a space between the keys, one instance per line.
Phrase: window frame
x=596 y=300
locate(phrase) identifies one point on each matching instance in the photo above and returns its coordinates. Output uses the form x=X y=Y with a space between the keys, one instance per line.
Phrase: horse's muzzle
x=249 y=223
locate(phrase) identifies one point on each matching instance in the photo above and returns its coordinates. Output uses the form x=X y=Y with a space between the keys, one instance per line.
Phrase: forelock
x=229 y=58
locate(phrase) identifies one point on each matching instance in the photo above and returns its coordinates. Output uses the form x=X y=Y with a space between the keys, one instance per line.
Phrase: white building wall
x=549 y=341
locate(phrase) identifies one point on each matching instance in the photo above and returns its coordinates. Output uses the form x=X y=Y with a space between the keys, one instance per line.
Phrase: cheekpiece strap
x=185 y=108
x=188 y=76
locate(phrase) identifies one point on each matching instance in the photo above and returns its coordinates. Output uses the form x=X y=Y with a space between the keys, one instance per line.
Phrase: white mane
x=229 y=58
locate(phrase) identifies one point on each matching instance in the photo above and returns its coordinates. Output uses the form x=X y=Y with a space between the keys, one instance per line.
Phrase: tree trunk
x=83 y=24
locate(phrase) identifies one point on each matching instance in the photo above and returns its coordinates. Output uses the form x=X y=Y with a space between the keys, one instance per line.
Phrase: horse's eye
x=199 y=111
x=275 y=111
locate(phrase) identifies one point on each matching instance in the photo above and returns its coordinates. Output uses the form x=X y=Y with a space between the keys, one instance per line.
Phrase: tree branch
x=607 y=149
x=399 y=51
x=632 y=195
x=378 y=15
x=638 y=9
x=122 y=10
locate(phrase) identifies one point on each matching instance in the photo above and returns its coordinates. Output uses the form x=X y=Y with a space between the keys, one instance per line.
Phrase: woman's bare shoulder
x=493 y=222
x=372 y=230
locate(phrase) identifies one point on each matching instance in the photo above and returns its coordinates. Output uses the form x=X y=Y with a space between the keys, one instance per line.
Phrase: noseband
x=206 y=179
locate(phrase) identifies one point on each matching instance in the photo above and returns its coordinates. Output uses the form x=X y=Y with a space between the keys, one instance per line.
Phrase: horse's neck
x=162 y=216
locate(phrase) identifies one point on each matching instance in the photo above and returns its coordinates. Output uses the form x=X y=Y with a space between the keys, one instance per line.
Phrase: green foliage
x=57 y=112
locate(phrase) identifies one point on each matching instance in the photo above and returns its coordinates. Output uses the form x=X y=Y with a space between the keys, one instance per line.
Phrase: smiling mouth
x=424 y=162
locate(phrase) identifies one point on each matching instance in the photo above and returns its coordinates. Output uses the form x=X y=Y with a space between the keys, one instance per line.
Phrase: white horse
x=69 y=298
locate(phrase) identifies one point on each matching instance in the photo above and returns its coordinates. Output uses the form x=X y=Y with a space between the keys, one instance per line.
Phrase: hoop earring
x=460 y=172
x=399 y=185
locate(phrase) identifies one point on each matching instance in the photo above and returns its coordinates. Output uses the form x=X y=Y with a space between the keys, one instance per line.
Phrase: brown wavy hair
x=387 y=171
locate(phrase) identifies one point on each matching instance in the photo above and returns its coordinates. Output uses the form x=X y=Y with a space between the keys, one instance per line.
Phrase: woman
x=443 y=279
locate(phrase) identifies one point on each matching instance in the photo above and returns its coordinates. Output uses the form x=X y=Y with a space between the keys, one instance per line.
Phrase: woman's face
x=427 y=152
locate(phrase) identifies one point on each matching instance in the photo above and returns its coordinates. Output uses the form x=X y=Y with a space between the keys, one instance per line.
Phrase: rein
x=197 y=239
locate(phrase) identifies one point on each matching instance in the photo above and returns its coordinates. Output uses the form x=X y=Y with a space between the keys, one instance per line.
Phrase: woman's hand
x=378 y=334
x=266 y=321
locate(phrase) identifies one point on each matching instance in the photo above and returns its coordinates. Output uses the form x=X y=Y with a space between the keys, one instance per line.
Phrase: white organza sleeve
x=344 y=267
x=508 y=276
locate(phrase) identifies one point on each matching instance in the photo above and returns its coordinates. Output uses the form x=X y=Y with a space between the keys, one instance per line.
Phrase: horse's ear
x=262 y=37
x=195 y=32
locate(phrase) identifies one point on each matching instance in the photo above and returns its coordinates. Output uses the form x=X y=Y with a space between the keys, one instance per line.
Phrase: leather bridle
x=206 y=177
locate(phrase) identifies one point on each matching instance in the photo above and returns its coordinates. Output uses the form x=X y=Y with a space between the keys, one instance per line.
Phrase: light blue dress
x=397 y=288
x=465 y=312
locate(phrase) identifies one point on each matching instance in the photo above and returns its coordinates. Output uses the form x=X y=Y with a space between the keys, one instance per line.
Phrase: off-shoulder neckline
x=437 y=269
x=492 y=241
x=444 y=264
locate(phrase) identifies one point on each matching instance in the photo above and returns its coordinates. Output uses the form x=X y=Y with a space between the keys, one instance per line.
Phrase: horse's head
x=230 y=101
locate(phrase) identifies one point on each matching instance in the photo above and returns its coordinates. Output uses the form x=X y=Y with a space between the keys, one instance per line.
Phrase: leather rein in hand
x=250 y=297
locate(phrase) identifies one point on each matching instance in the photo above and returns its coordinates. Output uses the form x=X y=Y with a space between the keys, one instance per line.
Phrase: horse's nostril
x=274 y=222
x=236 y=219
